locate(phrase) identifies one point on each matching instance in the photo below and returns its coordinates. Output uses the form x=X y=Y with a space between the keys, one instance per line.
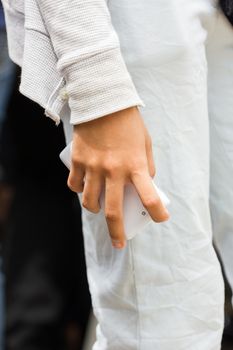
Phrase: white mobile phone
x=136 y=216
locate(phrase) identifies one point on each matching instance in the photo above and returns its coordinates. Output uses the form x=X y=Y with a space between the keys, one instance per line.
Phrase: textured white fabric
x=220 y=58
x=89 y=58
x=165 y=290
x=71 y=45
x=30 y=47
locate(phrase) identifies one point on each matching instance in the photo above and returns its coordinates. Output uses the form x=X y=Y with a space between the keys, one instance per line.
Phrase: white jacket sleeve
x=89 y=57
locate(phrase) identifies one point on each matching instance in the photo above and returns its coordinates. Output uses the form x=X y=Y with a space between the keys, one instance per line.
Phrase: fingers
x=114 y=193
x=149 y=154
x=150 y=158
x=75 y=180
x=150 y=197
x=91 y=193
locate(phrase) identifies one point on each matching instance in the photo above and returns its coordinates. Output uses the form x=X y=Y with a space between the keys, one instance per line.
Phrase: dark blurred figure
x=6 y=78
x=227 y=343
x=47 y=298
x=6 y=69
x=227 y=7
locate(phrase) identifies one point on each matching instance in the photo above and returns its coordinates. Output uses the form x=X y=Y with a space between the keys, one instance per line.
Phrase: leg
x=220 y=58
x=165 y=290
x=45 y=284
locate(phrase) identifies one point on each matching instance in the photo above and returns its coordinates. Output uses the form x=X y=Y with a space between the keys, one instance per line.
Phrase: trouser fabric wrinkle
x=165 y=290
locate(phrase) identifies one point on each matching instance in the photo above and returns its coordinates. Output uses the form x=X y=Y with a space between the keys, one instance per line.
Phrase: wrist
x=118 y=116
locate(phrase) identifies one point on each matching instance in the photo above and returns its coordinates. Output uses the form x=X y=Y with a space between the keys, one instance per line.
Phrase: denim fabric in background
x=6 y=73
x=2 y=22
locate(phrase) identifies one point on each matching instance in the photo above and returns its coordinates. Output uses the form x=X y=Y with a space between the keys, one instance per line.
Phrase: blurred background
x=44 y=298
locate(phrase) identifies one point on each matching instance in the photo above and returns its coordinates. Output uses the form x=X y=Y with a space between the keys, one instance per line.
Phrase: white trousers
x=165 y=291
x=220 y=59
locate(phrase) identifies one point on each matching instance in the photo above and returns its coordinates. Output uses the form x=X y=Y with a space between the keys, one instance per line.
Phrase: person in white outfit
x=116 y=71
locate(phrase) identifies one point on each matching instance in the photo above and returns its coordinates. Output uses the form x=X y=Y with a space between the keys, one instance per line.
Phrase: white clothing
x=165 y=290
x=70 y=54
x=220 y=59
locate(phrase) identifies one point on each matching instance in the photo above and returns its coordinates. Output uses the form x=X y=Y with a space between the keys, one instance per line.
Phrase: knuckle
x=112 y=215
x=112 y=167
x=139 y=170
x=86 y=200
x=85 y=204
x=73 y=186
x=77 y=161
x=95 y=210
x=151 y=202
x=114 y=236
x=93 y=165
x=70 y=184
x=88 y=204
x=90 y=207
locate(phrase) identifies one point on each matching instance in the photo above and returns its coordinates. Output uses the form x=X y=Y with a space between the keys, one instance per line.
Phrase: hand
x=111 y=152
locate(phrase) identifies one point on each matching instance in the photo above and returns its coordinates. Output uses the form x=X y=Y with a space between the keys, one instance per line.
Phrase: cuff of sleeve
x=99 y=85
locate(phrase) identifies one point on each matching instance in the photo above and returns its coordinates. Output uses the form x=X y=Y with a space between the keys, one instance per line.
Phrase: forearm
x=89 y=57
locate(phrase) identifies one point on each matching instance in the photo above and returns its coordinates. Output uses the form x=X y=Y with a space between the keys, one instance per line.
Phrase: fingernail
x=118 y=244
